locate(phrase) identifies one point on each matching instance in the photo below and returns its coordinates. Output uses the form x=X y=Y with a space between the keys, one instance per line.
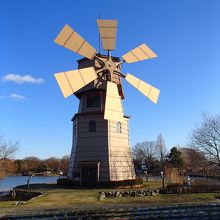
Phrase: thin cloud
x=2 y=97
x=16 y=78
x=16 y=97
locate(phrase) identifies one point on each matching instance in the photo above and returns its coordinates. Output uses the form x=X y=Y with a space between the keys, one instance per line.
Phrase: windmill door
x=89 y=175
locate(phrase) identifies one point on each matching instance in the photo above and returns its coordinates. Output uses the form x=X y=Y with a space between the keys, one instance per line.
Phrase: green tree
x=174 y=158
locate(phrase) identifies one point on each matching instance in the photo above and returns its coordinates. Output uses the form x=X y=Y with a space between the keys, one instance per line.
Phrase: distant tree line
x=28 y=165
x=34 y=166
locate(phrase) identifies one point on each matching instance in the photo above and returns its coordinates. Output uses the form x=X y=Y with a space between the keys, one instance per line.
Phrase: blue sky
x=185 y=35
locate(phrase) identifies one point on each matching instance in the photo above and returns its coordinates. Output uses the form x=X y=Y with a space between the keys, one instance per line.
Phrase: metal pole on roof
x=99 y=33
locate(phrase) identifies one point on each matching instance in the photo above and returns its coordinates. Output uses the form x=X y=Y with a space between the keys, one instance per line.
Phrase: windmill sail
x=71 y=40
x=113 y=105
x=71 y=81
x=149 y=91
x=142 y=52
x=107 y=31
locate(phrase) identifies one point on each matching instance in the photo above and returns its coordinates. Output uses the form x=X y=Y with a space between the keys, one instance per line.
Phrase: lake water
x=12 y=181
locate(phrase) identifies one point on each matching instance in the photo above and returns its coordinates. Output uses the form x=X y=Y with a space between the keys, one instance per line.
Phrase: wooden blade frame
x=107 y=31
x=71 y=81
x=142 y=52
x=71 y=40
x=149 y=91
x=113 y=105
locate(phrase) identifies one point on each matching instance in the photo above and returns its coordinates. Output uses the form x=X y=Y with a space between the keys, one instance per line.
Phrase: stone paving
x=209 y=211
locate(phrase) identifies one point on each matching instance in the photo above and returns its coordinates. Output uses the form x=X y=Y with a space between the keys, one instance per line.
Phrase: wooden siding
x=92 y=146
x=106 y=145
x=73 y=151
x=120 y=160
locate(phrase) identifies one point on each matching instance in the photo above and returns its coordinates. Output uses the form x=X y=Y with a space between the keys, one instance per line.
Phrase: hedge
x=179 y=188
x=124 y=183
x=65 y=182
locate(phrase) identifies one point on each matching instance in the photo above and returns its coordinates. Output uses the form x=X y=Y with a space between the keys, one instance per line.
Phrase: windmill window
x=118 y=127
x=93 y=101
x=92 y=126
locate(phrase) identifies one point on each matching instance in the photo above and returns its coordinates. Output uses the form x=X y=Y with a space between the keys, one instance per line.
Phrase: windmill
x=100 y=147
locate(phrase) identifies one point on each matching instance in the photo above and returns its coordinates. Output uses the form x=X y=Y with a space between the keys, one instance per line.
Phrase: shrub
x=65 y=182
x=203 y=181
x=173 y=176
x=121 y=183
x=69 y=183
x=173 y=188
x=204 y=188
x=179 y=188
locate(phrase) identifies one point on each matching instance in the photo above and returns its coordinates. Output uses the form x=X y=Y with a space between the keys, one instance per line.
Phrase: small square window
x=93 y=101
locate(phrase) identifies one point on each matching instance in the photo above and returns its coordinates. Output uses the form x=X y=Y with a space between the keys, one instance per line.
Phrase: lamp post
x=188 y=181
x=60 y=173
x=28 y=182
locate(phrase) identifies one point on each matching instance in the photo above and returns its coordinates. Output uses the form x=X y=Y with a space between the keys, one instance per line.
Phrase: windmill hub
x=110 y=66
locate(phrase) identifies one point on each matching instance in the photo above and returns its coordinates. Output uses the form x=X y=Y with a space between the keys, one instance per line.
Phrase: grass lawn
x=56 y=198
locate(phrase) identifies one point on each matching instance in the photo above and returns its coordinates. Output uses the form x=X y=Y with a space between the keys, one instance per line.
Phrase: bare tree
x=32 y=164
x=53 y=164
x=64 y=164
x=206 y=138
x=161 y=150
x=194 y=160
x=7 y=148
x=144 y=153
